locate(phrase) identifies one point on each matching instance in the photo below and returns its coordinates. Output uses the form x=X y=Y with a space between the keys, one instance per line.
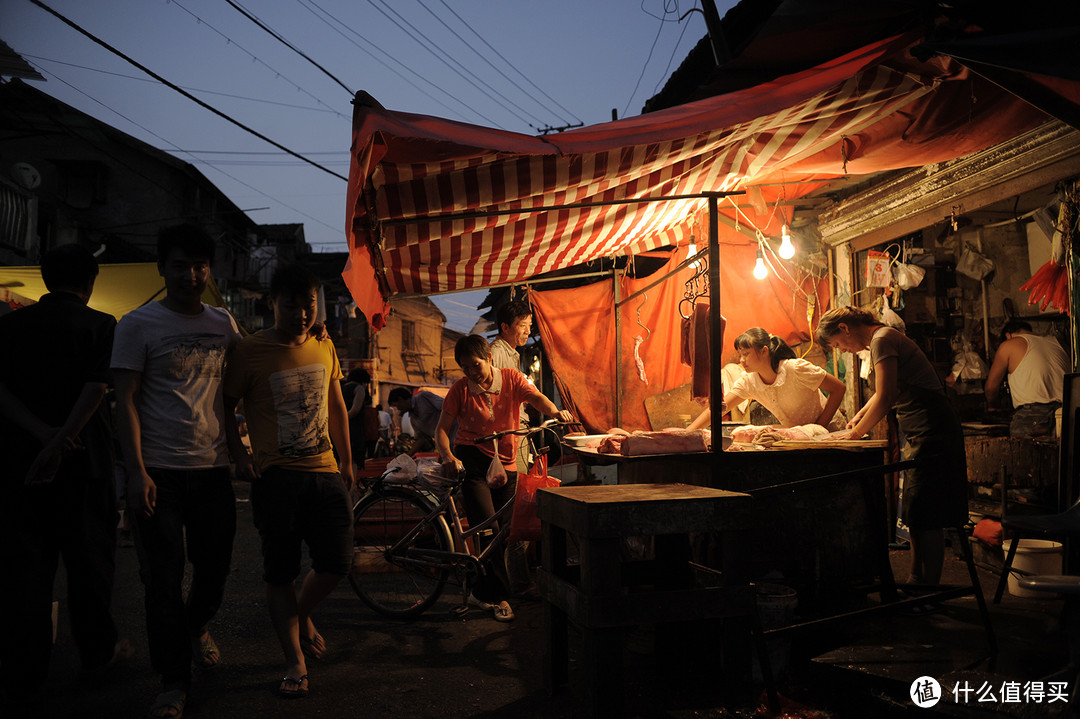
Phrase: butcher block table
x=828 y=540
x=605 y=590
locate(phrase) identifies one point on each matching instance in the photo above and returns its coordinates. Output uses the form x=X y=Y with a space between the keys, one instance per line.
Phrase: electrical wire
x=507 y=62
x=178 y=149
x=188 y=88
x=664 y=75
x=180 y=90
x=253 y=56
x=288 y=44
x=643 y=67
x=429 y=44
x=366 y=51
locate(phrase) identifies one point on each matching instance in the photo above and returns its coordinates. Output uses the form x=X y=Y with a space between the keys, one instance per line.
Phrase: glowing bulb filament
x=760 y=271
x=787 y=249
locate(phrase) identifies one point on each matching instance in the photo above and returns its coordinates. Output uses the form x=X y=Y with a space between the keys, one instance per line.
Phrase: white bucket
x=1034 y=556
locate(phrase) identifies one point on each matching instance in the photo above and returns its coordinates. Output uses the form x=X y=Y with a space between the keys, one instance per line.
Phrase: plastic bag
x=401 y=470
x=496 y=475
x=974 y=265
x=890 y=318
x=908 y=276
x=524 y=524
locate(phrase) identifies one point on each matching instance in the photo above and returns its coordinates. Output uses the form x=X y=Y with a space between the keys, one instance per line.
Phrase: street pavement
x=434 y=666
x=443 y=666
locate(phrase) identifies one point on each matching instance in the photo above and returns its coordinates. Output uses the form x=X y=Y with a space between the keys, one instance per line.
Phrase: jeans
x=1033 y=420
x=74 y=517
x=202 y=503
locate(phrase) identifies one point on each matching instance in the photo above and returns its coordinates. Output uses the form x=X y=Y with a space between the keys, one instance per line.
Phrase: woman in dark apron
x=935 y=491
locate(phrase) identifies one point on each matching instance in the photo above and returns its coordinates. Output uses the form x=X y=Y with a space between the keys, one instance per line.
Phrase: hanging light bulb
x=693 y=251
x=760 y=271
x=787 y=249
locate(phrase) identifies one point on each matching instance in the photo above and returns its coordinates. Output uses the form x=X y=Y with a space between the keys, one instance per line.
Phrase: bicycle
x=409 y=540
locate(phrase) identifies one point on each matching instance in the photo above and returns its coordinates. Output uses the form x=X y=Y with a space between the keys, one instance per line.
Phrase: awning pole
x=617 y=388
x=716 y=350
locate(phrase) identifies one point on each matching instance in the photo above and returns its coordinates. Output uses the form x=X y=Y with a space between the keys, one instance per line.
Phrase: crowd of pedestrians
x=179 y=367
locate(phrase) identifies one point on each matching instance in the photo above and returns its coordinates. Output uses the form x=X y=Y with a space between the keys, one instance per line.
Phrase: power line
x=674 y=50
x=182 y=91
x=102 y=150
x=289 y=45
x=176 y=149
x=643 y=67
x=252 y=152
x=429 y=44
x=254 y=57
x=191 y=89
x=481 y=56
x=510 y=64
x=390 y=56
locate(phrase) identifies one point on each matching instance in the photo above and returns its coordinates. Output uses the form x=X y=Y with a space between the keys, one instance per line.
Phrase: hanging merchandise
x=969 y=369
x=974 y=264
x=891 y=319
x=877 y=269
x=908 y=276
x=639 y=340
x=1049 y=287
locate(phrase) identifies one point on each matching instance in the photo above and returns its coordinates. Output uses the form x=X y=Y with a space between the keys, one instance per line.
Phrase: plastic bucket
x=1033 y=556
x=776 y=608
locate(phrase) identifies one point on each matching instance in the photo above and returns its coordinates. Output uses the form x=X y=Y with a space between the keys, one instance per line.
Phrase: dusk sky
x=515 y=65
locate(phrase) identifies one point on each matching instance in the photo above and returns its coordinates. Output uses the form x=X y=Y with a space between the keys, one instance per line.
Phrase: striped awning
x=437 y=206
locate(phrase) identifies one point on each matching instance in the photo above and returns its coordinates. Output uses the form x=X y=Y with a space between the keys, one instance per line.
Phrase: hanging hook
x=648 y=332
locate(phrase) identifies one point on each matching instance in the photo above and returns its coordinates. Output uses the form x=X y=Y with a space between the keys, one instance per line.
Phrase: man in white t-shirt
x=1036 y=367
x=168 y=362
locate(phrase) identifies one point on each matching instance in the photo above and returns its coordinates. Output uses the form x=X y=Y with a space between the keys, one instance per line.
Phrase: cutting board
x=852 y=445
x=664 y=409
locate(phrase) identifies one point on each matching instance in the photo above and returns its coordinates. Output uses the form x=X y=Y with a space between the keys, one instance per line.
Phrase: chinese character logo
x=925 y=692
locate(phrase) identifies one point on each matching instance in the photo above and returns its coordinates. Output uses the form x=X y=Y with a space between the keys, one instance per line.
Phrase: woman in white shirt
x=789 y=387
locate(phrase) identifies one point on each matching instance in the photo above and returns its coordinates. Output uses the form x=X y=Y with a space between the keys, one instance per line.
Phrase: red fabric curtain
x=577 y=327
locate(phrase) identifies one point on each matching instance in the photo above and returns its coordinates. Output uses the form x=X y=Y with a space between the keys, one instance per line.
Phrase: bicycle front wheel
x=399 y=588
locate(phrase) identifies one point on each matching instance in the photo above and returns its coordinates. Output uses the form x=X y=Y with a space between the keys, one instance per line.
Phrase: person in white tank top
x=1036 y=367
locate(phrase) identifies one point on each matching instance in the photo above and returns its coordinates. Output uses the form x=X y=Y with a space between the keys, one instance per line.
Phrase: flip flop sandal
x=293 y=687
x=313 y=647
x=503 y=612
x=205 y=651
x=169 y=701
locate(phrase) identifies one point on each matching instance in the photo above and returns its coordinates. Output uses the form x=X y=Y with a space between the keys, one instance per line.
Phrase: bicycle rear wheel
x=399 y=589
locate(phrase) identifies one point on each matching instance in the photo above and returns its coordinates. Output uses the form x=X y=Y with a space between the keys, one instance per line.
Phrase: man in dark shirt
x=58 y=489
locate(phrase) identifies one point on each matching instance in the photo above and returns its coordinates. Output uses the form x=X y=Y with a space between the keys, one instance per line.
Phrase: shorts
x=293 y=506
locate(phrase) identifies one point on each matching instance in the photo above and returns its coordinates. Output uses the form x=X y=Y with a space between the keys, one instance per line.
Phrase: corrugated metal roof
x=13 y=65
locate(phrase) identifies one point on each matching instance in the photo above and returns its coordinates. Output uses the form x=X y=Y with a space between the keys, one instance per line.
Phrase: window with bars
x=16 y=217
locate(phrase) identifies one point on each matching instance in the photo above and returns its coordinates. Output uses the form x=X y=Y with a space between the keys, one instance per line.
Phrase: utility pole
x=721 y=51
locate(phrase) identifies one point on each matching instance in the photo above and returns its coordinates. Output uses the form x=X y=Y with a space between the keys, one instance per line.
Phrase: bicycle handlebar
x=550 y=424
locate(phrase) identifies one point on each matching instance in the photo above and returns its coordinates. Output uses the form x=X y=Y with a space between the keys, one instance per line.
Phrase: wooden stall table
x=828 y=540
x=605 y=592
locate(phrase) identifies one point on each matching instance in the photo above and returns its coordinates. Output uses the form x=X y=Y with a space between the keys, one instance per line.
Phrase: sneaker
x=503 y=612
